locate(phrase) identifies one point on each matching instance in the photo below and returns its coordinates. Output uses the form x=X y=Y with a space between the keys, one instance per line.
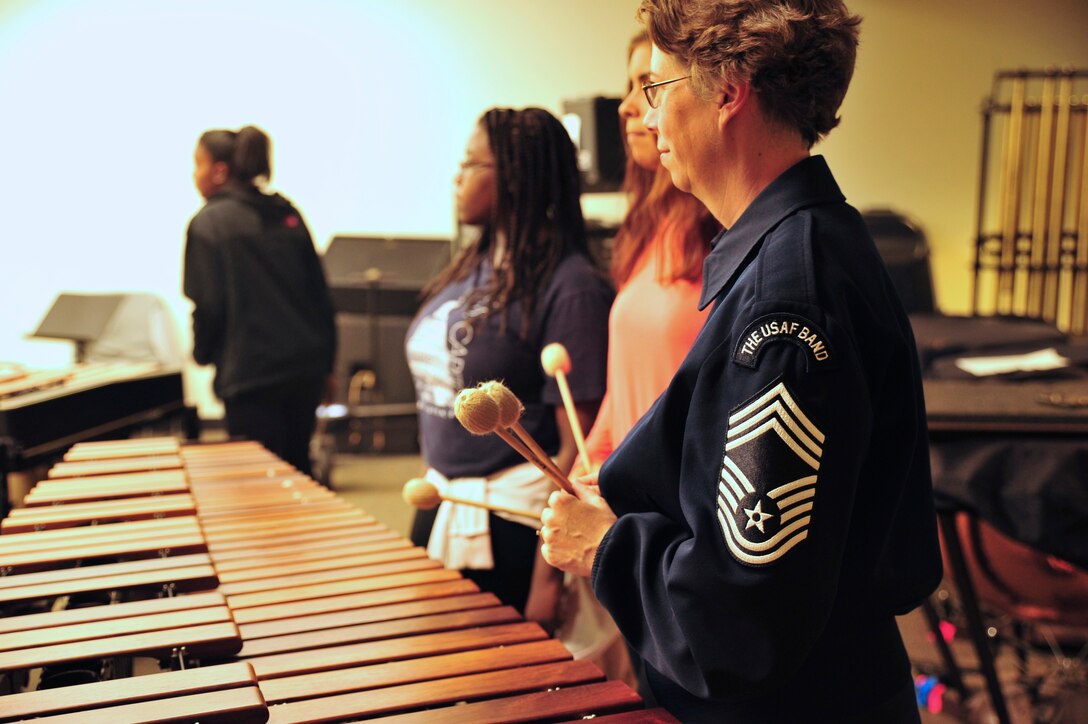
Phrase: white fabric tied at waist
x=461 y=536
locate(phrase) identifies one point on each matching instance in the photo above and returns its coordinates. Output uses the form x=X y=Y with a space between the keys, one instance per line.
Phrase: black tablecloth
x=999 y=446
x=1033 y=490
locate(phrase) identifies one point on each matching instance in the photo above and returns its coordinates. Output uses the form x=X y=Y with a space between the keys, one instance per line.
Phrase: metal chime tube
x=1055 y=276
x=1036 y=267
x=1011 y=200
x=1079 y=316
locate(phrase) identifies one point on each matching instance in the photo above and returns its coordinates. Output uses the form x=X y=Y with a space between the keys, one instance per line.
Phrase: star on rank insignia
x=768 y=477
x=756 y=516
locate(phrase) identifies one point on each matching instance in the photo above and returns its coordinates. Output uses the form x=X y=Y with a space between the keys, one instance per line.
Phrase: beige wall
x=369 y=102
x=911 y=131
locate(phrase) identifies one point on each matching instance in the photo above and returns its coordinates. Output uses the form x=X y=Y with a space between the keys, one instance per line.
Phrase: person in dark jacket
x=262 y=313
x=758 y=530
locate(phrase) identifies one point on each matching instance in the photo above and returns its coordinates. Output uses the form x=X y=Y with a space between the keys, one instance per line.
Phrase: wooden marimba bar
x=299 y=606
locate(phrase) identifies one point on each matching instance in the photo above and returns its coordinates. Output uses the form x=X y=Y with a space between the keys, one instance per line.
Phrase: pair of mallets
x=491 y=407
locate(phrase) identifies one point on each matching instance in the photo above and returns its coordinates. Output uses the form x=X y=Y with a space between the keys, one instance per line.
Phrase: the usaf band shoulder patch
x=768 y=478
x=783 y=327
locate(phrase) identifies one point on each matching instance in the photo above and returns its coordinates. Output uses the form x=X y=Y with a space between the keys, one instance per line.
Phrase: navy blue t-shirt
x=447 y=353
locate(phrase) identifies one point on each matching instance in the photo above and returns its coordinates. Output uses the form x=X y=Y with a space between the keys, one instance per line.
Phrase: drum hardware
x=1062 y=399
x=178 y=658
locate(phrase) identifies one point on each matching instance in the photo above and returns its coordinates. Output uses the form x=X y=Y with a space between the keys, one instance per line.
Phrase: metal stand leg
x=947 y=522
x=952 y=670
x=191 y=424
x=5 y=502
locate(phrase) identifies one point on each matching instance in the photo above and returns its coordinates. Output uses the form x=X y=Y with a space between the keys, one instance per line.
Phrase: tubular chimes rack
x=1031 y=247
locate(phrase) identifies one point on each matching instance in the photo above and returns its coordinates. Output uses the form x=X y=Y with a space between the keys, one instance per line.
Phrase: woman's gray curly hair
x=798 y=55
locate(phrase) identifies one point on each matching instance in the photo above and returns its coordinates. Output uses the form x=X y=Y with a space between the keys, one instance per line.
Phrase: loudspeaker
x=375 y=285
x=594 y=126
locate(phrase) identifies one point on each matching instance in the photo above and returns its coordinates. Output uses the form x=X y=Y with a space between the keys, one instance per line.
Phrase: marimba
x=272 y=599
x=43 y=413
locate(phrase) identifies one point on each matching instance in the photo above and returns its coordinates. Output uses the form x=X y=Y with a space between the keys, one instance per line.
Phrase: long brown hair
x=537 y=212
x=653 y=201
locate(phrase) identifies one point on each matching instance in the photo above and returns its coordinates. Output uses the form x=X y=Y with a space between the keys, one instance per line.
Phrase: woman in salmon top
x=657 y=265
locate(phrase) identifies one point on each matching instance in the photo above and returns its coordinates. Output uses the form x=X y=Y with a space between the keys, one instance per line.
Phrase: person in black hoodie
x=262 y=313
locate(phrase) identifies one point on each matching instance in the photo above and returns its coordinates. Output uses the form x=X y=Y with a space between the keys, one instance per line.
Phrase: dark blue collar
x=807 y=183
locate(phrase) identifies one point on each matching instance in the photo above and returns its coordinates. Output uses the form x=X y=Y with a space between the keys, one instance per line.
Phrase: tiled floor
x=374 y=482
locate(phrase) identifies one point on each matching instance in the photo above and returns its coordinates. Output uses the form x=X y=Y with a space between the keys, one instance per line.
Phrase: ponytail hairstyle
x=247 y=153
x=537 y=213
x=653 y=202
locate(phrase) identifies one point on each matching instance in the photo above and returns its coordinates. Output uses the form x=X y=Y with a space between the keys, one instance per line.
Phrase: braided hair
x=537 y=216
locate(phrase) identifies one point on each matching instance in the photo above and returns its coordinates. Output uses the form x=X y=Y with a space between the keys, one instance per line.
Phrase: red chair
x=1036 y=589
x=1030 y=599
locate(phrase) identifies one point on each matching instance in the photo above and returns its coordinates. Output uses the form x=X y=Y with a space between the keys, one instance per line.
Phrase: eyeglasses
x=651 y=89
x=466 y=166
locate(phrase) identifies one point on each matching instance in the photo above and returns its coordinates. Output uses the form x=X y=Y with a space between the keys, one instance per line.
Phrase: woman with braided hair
x=527 y=281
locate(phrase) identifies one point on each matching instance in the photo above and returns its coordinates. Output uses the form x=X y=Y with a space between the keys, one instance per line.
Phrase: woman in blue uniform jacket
x=758 y=531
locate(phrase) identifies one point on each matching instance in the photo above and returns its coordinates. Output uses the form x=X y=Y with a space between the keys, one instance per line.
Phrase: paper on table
x=1043 y=359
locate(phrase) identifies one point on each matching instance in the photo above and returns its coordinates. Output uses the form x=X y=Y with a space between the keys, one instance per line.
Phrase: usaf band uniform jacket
x=775 y=505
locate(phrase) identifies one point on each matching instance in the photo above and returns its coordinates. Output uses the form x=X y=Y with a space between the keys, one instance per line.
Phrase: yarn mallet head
x=555 y=358
x=492 y=407
x=476 y=411
x=556 y=363
x=420 y=493
x=510 y=407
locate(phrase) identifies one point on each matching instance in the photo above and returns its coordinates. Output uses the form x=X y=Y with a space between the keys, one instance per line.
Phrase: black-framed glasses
x=650 y=90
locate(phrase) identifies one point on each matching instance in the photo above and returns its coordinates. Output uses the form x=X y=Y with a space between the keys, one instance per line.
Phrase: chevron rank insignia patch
x=768 y=477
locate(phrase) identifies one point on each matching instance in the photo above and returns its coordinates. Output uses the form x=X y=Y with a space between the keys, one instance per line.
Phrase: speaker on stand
x=594 y=126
